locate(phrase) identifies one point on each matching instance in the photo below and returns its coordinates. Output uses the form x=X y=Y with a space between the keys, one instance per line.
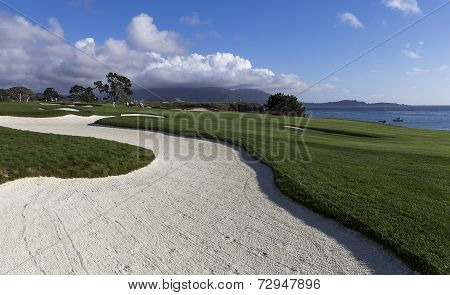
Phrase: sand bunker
x=67 y=109
x=198 y=110
x=48 y=104
x=88 y=106
x=141 y=115
x=182 y=214
x=293 y=127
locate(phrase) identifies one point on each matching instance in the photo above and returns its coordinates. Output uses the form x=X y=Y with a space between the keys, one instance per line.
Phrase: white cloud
x=83 y=3
x=32 y=57
x=418 y=71
x=351 y=19
x=413 y=53
x=143 y=34
x=378 y=96
x=55 y=27
x=443 y=68
x=215 y=35
x=406 y=6
x=193 y=19
x=219 y=69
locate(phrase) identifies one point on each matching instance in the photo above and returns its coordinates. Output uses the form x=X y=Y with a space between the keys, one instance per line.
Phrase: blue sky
x=306 y=39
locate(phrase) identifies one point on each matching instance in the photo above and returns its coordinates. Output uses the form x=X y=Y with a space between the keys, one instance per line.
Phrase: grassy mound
x=25 y=154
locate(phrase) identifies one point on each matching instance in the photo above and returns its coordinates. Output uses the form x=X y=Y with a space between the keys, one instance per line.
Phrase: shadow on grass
x=353 y=241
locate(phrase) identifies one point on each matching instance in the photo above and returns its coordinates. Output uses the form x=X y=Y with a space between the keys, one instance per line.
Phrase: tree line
x=117 y=89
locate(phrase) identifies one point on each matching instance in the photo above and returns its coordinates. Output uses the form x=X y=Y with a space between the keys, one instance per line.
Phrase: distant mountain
x=202 y=94
x=352 y=103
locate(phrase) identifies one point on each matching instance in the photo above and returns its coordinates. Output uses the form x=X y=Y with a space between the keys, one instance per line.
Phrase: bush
x=282 y=104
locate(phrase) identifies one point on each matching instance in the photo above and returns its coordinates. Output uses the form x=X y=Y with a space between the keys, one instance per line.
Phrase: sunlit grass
x=29 y=154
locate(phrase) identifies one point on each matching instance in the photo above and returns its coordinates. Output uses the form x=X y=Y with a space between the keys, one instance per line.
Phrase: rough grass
x=27 y=154
x=390 y=183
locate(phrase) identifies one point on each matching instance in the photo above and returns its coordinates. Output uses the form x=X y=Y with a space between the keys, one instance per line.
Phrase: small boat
x=398 y=119
x=384 y=121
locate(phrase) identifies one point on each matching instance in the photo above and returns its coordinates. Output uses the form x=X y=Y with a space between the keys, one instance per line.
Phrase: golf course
x=388 y=183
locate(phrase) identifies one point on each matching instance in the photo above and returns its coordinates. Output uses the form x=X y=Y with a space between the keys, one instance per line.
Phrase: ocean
x=428 y=117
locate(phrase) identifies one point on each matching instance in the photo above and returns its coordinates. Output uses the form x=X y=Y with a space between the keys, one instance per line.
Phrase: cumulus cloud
x=350 y=19
x=219 y=69
x=406 y=6
x=31 y=56
x=143 y=34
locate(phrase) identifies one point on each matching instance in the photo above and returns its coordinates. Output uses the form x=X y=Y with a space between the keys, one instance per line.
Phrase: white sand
x=141 y=115
x=48 y=104
x=179 y=215
x=293 y=127
x=67 y=109
x=198 y=110
x=41 y=109
x=88 y=106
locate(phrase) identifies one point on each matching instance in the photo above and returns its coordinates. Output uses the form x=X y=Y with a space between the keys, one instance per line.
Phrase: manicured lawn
x=390 y=183
x=24 y=154
x=47 y=110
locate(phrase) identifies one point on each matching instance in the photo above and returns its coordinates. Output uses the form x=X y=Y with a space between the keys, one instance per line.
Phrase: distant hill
x=202 y=94
x=351 y=103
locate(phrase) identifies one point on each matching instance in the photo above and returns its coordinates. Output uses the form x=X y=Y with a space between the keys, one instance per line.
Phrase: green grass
x=36 y=109
x=390 y=183
x=29 y=154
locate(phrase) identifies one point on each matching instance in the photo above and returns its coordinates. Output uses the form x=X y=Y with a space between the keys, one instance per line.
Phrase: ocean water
x=428 y=117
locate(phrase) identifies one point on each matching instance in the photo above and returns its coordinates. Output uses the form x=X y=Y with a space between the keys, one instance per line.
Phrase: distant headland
x=353 y=103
